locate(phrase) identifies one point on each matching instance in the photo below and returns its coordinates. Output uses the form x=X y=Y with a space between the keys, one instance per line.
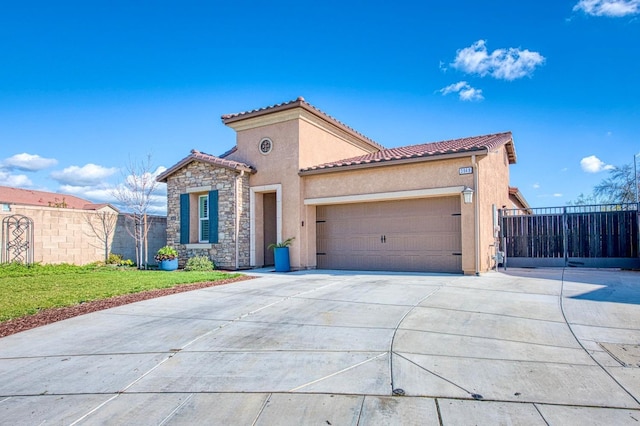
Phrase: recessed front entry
x=407 y=235
x=270 y=223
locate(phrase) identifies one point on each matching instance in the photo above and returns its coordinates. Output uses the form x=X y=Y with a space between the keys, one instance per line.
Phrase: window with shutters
x=203 y=219
x=199 y=218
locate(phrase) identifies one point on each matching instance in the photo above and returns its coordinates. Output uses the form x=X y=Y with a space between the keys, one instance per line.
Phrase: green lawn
x=27 y=290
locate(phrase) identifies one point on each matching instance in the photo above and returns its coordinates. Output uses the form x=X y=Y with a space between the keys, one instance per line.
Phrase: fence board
x=595 y=233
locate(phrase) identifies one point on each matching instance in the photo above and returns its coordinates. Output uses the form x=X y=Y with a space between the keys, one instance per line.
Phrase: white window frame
x=202 y=219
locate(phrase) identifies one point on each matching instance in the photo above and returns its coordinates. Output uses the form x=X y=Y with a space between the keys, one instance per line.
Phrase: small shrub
x=127 y=262
x=114 y=259
x=166 y=253
x=118 y=260
x=199 y=263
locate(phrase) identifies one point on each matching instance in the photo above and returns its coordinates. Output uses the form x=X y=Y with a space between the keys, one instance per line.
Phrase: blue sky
x=86 y=87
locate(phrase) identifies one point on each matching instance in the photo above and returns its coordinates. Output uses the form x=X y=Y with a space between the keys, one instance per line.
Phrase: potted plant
x=281 y=254
x=167 y=258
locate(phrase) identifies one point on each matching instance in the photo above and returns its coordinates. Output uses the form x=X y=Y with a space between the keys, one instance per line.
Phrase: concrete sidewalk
x=543 y=346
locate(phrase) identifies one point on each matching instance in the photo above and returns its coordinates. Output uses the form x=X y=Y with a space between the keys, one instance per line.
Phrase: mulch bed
x=48 y=316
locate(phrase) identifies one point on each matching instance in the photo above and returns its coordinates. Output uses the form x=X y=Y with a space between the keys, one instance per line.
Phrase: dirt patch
x=48 y=316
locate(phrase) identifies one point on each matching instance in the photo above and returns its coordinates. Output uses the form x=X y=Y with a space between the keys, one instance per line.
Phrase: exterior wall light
x=467 y=193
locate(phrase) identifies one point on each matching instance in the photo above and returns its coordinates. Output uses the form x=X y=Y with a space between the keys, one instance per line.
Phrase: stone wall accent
x=232 y=249
x=63 y=235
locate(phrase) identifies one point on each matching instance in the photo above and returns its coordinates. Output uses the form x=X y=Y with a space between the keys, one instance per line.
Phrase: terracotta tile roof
x=31 y=197
x=98 y=206
x=228 y=153
x=298 y=103
x=456 y=146
x=515 y=192
x=204 y=158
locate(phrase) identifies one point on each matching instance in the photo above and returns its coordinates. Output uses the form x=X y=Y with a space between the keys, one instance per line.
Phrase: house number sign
x=465 y=170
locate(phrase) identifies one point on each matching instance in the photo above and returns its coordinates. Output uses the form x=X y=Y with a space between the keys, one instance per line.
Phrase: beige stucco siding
x=400 y=178
x=430 y=174
x=320 y=144
x=493 y=175
x=278 y=167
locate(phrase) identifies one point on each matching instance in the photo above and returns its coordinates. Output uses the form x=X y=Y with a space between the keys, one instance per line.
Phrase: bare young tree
x=102 y=225
x=619 y=187
x=135 y=194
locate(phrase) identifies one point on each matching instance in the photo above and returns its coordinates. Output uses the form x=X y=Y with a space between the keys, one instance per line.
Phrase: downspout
x=476 y=214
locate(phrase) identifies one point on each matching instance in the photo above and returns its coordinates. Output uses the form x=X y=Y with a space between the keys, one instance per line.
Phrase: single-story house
x=349 y=202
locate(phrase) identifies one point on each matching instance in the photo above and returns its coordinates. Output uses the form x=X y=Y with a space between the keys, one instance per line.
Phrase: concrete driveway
x=543 y=346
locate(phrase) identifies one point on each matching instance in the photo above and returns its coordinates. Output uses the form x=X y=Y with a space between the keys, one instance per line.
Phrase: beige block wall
x=64 y=235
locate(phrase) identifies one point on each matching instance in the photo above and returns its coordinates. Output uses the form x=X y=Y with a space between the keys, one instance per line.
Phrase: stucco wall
x=389 y=179
x=64 y=235
x=321 y=143
x=493 y=179
x=124 y=244
x=431 y=174
x=233 y=213
x=280 y=166
x=493 y=173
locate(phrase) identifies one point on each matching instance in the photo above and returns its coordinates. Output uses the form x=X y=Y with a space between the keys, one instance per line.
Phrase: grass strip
x=29 y=290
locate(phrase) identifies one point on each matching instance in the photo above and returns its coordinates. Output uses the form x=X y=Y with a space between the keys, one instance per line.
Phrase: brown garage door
x=408 y=235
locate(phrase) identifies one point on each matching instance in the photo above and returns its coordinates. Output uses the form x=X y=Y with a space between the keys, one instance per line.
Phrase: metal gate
x=17 y=239
x=598 y=236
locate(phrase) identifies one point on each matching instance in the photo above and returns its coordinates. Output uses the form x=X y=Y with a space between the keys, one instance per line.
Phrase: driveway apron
x=521 y=347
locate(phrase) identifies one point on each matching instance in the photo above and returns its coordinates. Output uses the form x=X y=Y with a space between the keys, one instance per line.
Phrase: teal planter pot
x=169 y=265
x=281 y=255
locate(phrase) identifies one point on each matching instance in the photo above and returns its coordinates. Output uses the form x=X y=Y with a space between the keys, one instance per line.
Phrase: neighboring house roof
x=517 y=195
x=298 y=103
x=204 y=158
x=29 y=197
x=427 y=151
x=100 y=206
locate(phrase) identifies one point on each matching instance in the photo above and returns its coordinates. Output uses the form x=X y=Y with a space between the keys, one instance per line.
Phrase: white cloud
x=464 y=90
x=87 y=175
x=593 y=164
x=28 y=162
x=609 y=8
x=16 y=181
x=502 y=64
x=557 y=195
x=536 y=186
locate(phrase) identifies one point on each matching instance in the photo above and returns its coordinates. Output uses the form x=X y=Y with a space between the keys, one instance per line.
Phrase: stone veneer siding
x=199 y=174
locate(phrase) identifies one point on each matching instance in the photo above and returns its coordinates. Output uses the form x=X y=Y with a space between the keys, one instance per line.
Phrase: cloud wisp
x=16 y=181
x=464 y=90
x=502 y=64
x=87 y=175
x=608 y=8
x=28 y=162
x=593 y=164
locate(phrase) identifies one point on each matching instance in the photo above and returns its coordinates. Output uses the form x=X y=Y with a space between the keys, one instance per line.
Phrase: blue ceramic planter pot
x=281 y=255
x=169 y=265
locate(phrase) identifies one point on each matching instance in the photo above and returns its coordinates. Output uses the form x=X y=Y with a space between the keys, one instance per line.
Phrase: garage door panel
x=407 y=235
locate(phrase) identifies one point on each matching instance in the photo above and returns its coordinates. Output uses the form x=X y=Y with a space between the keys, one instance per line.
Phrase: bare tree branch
x=102 y=225
x=135 y=193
